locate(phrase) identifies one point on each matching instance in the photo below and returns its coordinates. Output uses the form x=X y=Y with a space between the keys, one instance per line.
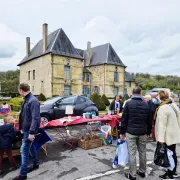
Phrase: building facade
x=55 y=67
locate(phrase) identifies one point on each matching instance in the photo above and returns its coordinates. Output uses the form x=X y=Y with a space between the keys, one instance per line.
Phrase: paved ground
x=78 y=164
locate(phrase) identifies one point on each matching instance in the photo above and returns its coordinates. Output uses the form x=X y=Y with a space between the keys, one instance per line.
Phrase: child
x=7 y=135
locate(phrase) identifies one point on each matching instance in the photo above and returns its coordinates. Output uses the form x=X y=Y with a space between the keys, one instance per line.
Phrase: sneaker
x=165 y=176
x=176 y=175
x=20 y=177
x=143 y=175
x=129 y=176
x=32 y=168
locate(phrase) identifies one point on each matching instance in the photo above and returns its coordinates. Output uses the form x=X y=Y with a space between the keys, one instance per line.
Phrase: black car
x=55 y=108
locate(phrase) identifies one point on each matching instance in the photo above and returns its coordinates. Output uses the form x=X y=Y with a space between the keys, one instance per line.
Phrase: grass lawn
x=105 y=111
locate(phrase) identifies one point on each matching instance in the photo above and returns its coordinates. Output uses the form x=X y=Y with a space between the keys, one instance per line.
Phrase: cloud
x=11 y=48
x=145 y=34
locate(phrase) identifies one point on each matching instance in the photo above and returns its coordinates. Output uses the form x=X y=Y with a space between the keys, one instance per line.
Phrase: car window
x=68 y=100
x=80 y=100
x=52 y=100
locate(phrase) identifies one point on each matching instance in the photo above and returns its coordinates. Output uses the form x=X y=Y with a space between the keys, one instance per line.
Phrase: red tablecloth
x=80 y=120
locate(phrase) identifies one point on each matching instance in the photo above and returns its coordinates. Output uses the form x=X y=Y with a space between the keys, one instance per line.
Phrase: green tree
x=105 y=100
x=98 y=101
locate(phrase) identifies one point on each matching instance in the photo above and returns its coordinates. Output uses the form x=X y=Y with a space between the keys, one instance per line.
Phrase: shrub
x=16 y=101
x=41 y=97
x=126 y=97
x=16 y=107
x=98 y=101
x=105 y=100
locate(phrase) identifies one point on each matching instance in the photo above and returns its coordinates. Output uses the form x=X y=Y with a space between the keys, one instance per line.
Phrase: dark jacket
x=7 y=136
x=29 y=119
x=135 y=118
x=112 y=105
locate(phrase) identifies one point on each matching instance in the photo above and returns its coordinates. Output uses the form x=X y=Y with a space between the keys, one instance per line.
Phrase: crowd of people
x=141 y=117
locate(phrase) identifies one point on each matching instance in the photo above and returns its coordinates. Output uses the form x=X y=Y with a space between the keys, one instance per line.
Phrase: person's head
x=147 y=98
x=137 y=90
x=117 y=98
x=8 y=120
x=163 y=95
x=24 y=89
x=4 y=103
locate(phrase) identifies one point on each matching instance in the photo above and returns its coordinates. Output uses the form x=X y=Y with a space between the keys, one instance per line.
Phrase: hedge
x=98 y=101
x=105 y=100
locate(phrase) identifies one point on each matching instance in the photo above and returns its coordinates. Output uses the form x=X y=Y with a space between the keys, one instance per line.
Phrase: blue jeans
x=27 y=149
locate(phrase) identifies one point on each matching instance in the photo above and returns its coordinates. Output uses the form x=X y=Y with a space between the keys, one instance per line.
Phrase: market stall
x=64 y=127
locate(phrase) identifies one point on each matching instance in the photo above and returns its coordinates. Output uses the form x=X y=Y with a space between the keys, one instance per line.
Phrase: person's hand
x=31 y=137
x=122 y=136
x=22 y=132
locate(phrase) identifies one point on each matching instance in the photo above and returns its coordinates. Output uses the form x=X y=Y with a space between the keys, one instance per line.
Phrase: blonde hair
x=148 y=97
x=163 y=95
x=8 y=120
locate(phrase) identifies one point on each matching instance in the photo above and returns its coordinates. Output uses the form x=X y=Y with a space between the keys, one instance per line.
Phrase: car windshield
x=52 y=100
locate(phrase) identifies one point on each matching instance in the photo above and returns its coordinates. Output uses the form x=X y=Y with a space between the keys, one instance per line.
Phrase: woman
x=116 y=104
x=167 y=128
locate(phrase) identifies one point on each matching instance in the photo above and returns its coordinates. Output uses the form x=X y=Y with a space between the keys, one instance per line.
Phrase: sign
x=5 y=109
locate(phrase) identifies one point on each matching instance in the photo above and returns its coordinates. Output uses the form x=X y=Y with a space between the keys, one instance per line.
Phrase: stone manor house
x=55 y=67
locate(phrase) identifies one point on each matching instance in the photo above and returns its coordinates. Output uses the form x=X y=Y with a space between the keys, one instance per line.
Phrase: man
x=136 y=126
x=29 y=122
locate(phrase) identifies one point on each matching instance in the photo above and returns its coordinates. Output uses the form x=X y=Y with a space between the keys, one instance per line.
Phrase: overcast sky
x=144 y=33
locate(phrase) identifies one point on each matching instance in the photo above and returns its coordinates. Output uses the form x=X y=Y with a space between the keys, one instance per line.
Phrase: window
x=29 y=75
x=86 y=91
x=129 y=84
x=32 y=88
x=87 y=77
x=96 y=89
x=67 y=90
x=80 y=100
x=116 y=78
x=34 y=75
x=83 y=77
x=115 y=91
x=66 y=72
x=68 y=100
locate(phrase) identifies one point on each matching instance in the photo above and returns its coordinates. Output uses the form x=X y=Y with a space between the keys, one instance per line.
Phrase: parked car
x=154 y=92
x=55 y=108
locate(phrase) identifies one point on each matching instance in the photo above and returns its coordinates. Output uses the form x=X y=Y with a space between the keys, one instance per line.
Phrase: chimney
x=88 y=53
x=45 y=36
x=28 y=46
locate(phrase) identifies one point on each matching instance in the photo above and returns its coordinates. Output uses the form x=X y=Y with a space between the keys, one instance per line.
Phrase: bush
x=41 y=97
x=105 y=100
x=98 y=101
x=126 y=97
x=16 y=101
x=16 y=107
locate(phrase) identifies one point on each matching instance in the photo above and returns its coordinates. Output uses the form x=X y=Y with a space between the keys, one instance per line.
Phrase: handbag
x=161 y=156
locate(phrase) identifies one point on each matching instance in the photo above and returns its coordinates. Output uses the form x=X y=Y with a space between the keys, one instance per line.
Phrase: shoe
x=176 y=175
x=129 y=176
x=143 y=175
x=165 y=176
x=32 y=168
x=1 y=171
x=20 y=177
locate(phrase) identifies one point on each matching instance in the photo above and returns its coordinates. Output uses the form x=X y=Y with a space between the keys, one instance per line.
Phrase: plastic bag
x=171 y=160
x=122 y=154
x=161 y=157
x=106 y=129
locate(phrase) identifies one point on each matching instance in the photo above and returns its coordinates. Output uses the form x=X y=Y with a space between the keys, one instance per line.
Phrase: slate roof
x=128 y=77
x=58 y=43
x=103 y=54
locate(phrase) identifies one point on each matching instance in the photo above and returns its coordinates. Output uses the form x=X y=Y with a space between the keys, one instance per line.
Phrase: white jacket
x=167 y=128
